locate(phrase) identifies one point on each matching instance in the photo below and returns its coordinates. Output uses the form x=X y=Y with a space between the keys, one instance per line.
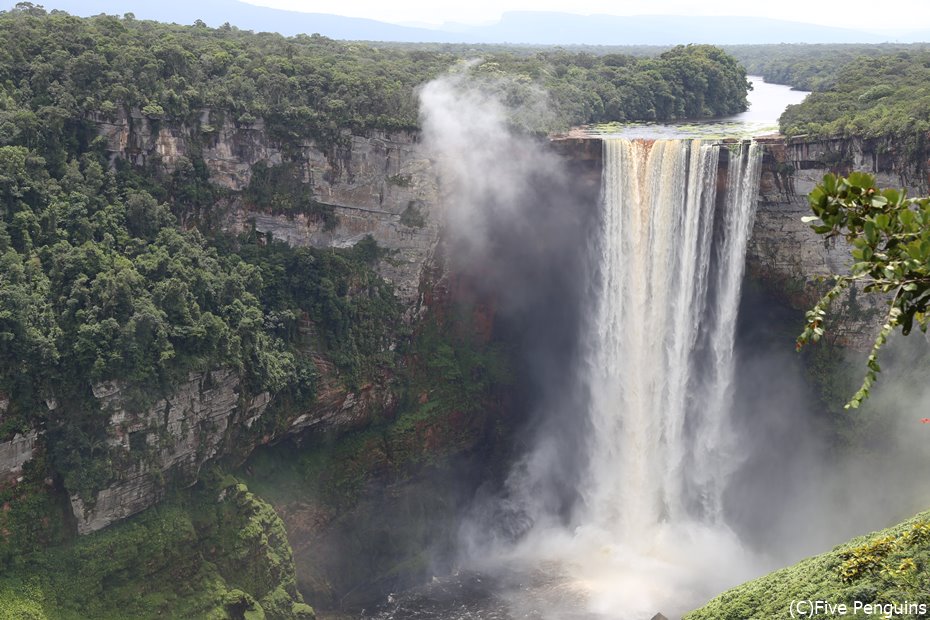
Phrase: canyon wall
x=789 y=257
x=386 y=185
x=381 y=184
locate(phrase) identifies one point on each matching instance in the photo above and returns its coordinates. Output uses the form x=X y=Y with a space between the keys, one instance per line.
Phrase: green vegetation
x=447 y=387
x=692 y=81
x=58 y=71
x=477 y=50
x=215 y=552
x=281 y=190
x=355 y=315
x=890 y=238
x=882 y=568
x=873 y=97
x=112 y=290
x=101 y=282
x=813 y=67
x=32 y=514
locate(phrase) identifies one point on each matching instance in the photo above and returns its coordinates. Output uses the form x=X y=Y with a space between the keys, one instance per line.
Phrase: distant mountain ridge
x=521 y=27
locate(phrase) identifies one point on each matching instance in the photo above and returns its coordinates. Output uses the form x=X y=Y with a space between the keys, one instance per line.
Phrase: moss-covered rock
x=216 y=552
x=33 y=515
x=886 y=568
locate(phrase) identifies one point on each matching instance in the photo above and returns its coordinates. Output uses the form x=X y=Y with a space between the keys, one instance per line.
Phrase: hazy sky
x=856 y=14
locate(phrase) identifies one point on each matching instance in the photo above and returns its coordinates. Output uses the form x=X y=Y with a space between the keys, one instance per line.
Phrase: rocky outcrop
x=883 y=157
x=172 y=438
x=14 y=454
x=207 y=416
x=229 y=151
x=387 y=188
x=16 y=450
x=786 y=253
x=380 y=184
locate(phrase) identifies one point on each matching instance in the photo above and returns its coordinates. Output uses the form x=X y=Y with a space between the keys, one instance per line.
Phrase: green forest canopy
x=813 y=67
x=881 y=96
x=61 y=67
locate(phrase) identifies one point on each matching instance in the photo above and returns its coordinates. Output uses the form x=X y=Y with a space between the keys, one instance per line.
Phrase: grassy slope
x=889 y=566
x=217 y=552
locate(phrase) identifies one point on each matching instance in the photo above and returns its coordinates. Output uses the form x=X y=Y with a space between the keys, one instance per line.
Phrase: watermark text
x=820 y=608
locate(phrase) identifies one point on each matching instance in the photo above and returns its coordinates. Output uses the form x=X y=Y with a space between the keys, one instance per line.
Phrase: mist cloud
x=518 y=224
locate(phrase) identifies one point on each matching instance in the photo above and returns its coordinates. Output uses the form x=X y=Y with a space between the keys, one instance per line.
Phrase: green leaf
x=891 y=196
x=870 y=232
x=861 y=180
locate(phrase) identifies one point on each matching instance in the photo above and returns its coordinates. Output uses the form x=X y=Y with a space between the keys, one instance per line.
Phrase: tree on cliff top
x=890 y=238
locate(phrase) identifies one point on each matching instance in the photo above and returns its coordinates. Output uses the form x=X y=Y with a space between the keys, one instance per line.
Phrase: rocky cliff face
x=16 y=451
x=386 y=186
x=381 y=185
x=173 y=437
x=14 y=454
x=788 y=255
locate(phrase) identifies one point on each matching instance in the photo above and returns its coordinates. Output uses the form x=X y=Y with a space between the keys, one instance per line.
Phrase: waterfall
x=656 y=448
x=660 y=362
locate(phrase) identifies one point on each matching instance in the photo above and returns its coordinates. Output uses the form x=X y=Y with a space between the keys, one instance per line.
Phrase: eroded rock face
x=14 y=454
x=207 y=416
x=229 y=151
x=783 y=250
x=173 y=438
x=16 y=451
x=381 y=184
x=386 y=186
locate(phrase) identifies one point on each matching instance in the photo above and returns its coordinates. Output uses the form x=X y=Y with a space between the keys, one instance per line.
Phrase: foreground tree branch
x=890 y=238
